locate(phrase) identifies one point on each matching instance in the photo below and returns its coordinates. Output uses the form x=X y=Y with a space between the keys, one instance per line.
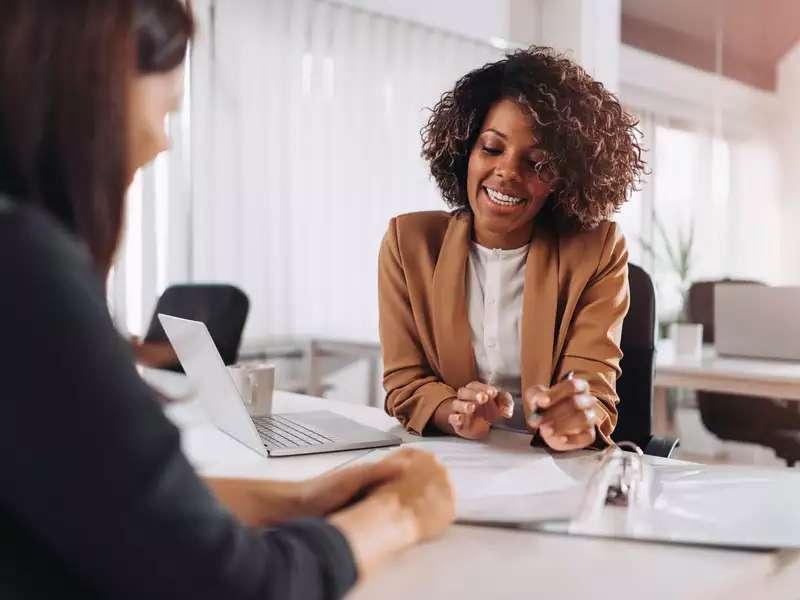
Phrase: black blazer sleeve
x=94 y=471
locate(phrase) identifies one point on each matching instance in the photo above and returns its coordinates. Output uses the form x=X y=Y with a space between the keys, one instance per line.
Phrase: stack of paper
x=505 y=481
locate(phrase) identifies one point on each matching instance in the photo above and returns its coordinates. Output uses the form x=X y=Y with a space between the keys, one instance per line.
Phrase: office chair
x=223 y=308
x=635 y=385
x=752 y=419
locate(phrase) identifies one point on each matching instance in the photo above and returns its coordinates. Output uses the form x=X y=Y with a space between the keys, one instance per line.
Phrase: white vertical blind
x=306 y=141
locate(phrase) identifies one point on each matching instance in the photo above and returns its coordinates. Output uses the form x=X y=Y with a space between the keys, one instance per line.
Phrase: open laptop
x=757 y=321
x=275 y=435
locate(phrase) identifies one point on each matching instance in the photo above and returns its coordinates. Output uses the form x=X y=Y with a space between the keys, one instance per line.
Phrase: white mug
x=255 y=383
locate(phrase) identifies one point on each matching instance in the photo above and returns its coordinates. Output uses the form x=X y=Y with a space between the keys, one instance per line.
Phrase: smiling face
x=503 y=188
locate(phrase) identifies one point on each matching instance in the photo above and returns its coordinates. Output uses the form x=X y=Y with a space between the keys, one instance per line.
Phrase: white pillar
x=788 y=91
x=588 y=31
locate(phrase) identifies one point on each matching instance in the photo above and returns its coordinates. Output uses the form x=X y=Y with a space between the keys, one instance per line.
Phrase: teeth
x=502 y=198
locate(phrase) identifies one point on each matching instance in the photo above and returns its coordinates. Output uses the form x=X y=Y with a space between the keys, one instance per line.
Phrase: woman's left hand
x=567 y=414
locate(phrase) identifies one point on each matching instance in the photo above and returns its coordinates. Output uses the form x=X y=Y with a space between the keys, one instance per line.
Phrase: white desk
x=768 y=378
x=482 y=563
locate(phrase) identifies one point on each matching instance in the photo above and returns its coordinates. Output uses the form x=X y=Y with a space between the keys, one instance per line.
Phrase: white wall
x=789 y=145
x=588 y=30
x=670 y=88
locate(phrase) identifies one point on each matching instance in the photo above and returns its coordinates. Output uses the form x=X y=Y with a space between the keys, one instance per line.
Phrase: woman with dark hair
x=96 y=498
x=509 y=309
x=162 y=30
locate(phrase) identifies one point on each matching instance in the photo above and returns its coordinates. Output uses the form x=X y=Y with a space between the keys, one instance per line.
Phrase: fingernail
x=581 y=385
x=492 y=392
x=534 y=421
x=584 y=401
x=562 y=439
x=482 y=398
x=542 y=400
x=470 y=408
x=546 y=430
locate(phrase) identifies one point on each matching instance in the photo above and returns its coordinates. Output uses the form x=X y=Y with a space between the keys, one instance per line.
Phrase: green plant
x=676 y=257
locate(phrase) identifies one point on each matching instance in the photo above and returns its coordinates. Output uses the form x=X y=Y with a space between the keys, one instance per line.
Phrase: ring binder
x=621 y=479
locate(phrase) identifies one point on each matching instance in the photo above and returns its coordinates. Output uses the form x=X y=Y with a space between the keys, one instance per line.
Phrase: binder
x=632 y=497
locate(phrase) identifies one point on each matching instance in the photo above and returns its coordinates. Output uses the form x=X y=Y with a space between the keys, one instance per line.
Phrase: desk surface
x=482 y=563
x=770 y=378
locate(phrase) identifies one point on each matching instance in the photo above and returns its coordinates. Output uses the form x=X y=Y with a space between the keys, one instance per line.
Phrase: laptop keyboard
x=277 y=431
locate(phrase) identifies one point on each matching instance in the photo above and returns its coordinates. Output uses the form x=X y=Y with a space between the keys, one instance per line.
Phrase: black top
x=96 y=498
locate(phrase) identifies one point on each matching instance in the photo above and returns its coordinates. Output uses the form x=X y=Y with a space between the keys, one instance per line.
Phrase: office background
x=299 y=139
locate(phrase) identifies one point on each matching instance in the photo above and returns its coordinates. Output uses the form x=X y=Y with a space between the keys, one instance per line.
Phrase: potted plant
x=676 y=256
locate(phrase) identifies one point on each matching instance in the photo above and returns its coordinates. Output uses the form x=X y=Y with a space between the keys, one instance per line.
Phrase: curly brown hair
x=591 y=151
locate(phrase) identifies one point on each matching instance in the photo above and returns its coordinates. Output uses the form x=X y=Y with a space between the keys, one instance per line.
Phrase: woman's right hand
x=472 y=414
x=414 y=505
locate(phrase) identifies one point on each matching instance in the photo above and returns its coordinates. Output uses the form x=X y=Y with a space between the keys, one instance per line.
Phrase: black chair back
x=223 y=308
x=635 y=385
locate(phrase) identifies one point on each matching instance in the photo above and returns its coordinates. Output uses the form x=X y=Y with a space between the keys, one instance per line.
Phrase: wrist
x=441 y=416
x=376 y=528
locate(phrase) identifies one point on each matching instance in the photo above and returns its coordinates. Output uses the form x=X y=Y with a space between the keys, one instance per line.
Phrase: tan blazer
x=575 y=299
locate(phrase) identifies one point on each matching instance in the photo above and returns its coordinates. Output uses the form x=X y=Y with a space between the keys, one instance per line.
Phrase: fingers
x=484 y=401
x=505 y=404
x=563 y=391
x=578 y=441
x=464 y=407
x=456 y=421
x=476 y=407
x=478 y=392
x=572 y=423
x=381 y=471
x=533 y=397
x=566 y=408
x=545 y=404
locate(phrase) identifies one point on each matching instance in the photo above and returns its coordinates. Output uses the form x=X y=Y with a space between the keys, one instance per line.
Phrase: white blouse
x=494 y=303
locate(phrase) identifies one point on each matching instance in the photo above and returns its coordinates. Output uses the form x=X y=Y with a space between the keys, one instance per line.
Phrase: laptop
x=274 y=435
x=757 y=321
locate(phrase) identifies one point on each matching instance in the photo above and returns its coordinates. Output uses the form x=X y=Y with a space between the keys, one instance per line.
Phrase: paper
x=505 y=481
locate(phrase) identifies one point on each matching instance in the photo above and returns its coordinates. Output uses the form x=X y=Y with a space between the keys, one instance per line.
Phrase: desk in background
x=755 y=377
x=481 y=563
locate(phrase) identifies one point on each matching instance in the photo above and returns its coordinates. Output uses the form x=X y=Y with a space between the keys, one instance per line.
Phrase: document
x=505 y=481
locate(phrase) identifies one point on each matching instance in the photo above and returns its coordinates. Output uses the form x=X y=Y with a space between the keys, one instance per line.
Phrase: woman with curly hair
x=508 y=310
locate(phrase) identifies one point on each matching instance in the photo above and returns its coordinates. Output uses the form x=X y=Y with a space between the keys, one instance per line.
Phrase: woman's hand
x=263 y=503
x=414 y=505
x=325 y=494
x=473 y=413
x=566 y=416
x=156 y=355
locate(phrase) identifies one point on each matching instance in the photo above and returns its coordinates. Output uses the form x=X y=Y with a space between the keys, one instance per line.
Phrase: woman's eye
x=491 y=151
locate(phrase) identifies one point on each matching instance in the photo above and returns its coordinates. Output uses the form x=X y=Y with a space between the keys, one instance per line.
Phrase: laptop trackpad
x=335 y=427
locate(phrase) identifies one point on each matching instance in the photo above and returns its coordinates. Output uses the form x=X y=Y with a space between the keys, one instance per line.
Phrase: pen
x=538 y=411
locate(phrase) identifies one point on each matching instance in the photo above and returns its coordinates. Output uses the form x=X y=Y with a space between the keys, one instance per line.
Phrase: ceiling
x=756 y=33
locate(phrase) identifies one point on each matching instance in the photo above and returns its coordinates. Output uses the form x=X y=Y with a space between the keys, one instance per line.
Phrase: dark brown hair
x=65 y=69
x=591 y=150
x=163 y=30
